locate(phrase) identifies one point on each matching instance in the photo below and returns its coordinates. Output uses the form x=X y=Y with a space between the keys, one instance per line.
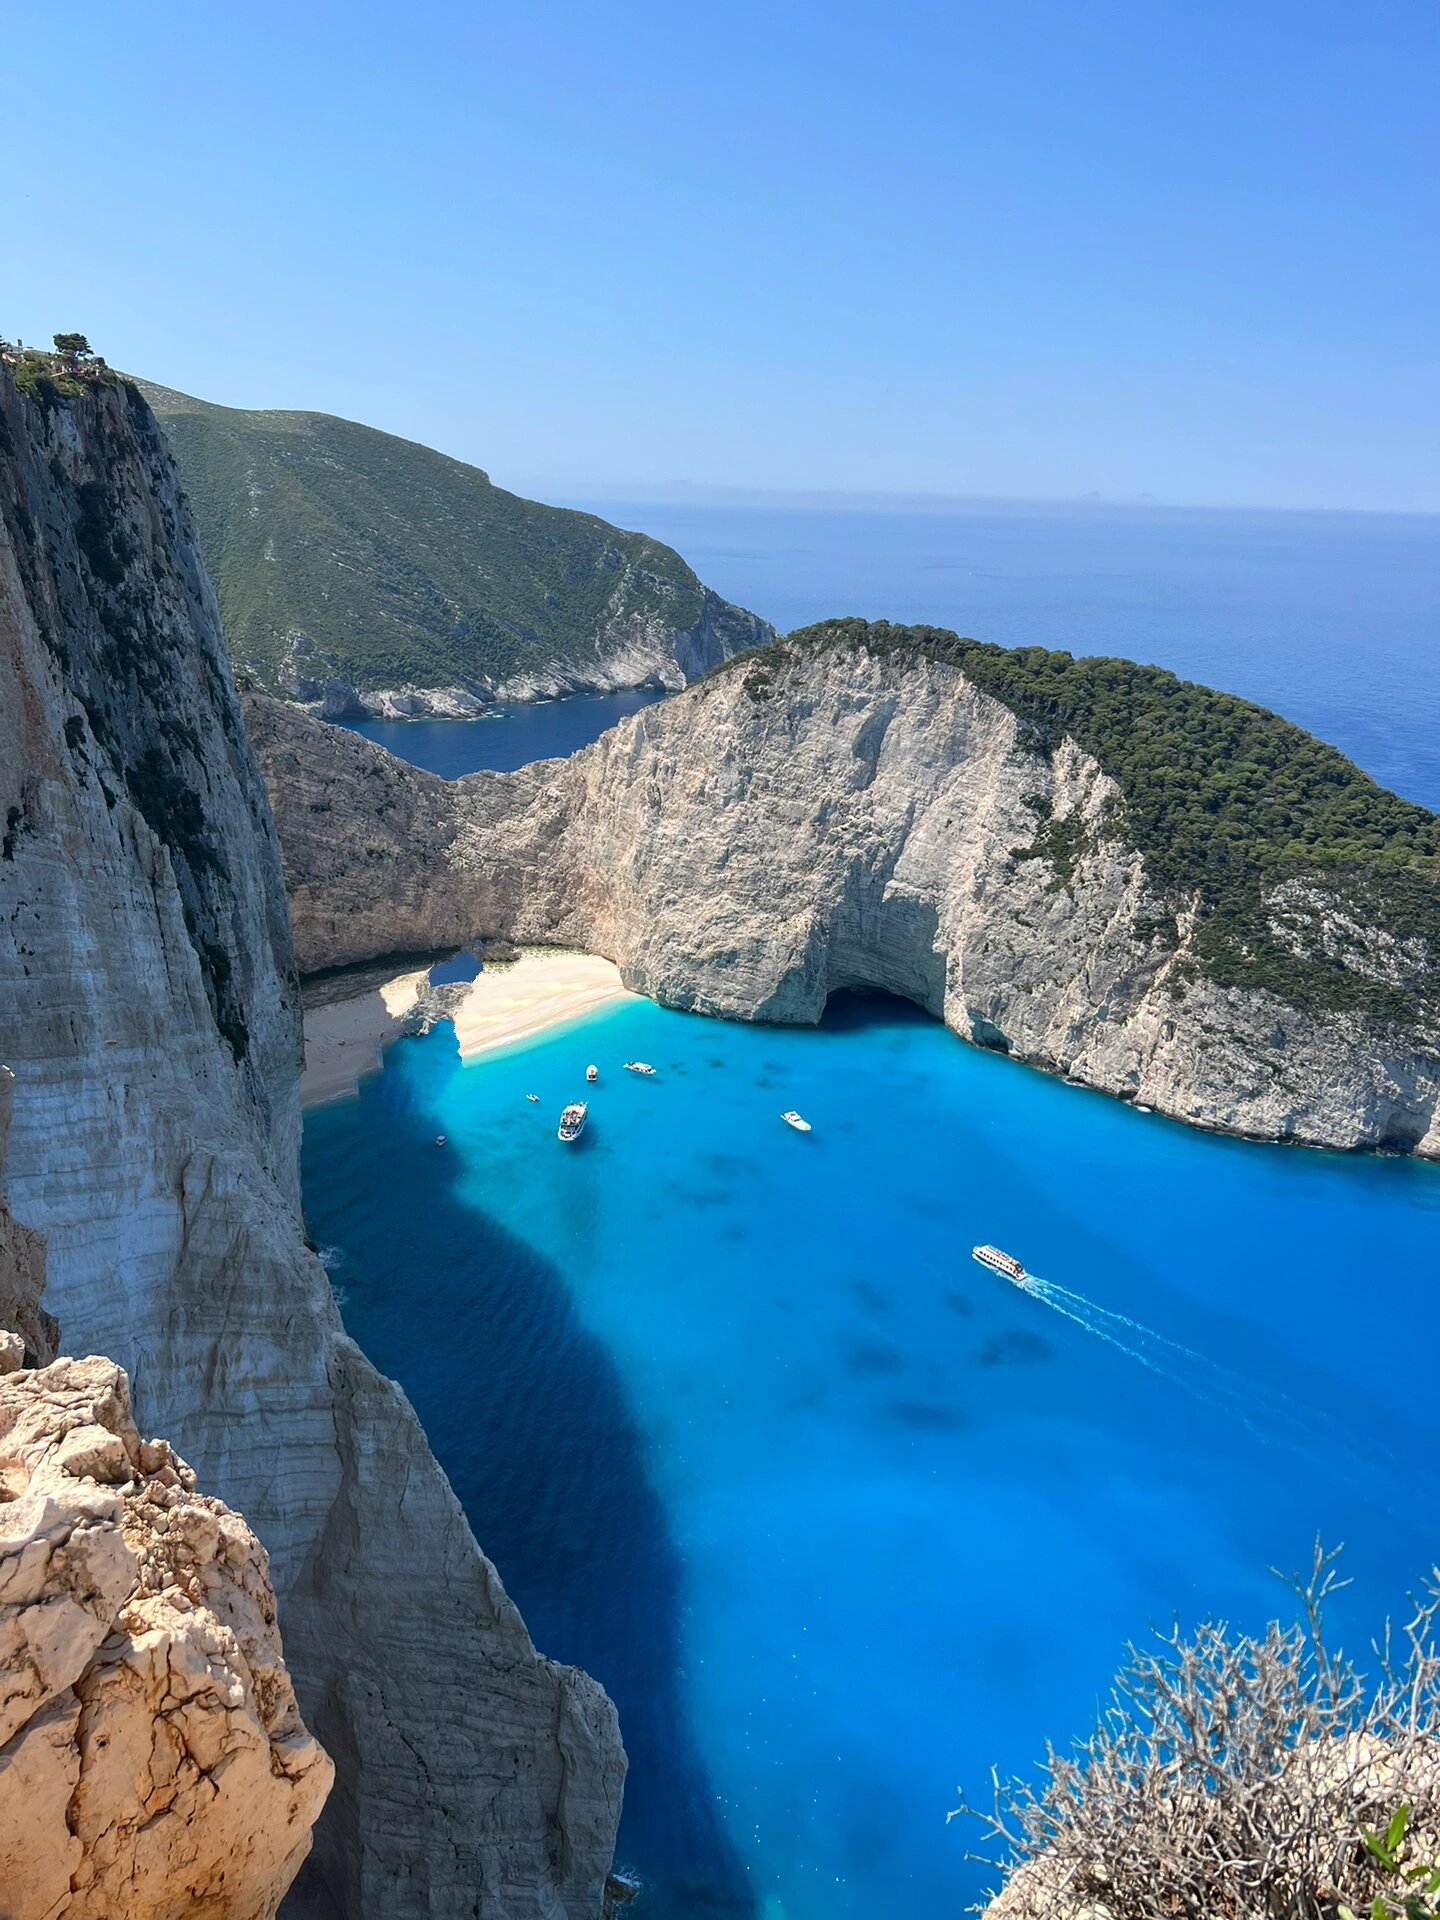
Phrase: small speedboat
x=638 y=1066
x=572 y=1121
x=439 y=1139
x=592 y=1074
x=1005 y=1264
x=796 y=1120
x=533 y=1096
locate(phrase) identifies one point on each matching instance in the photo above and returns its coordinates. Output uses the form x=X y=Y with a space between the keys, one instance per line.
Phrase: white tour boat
x=1004 y=1264
x=796 y=1120
x=638 y=1066
x=572 y=1121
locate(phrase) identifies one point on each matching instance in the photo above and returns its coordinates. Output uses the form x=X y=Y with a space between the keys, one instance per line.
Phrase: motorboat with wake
x=797 y=1121
x=1005 y=1264
x=572 y=1121
x=638 y=1066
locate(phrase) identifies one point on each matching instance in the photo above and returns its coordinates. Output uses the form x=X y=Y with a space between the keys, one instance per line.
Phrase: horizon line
x=858 y=500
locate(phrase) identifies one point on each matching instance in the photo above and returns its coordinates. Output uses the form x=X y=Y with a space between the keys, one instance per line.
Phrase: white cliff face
x=153 y=1761
x=857 y=822
x=149 y=1008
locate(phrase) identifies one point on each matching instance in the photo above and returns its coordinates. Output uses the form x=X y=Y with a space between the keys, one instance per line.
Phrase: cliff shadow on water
x=527 y=1414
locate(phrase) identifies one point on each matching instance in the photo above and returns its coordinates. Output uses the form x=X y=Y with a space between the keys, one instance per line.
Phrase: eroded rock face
x=153 y=1761
x=27 y=1332
x=149 y=1009
x=865 y=823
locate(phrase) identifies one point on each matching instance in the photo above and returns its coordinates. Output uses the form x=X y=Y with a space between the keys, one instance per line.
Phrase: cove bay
x=838 y=1517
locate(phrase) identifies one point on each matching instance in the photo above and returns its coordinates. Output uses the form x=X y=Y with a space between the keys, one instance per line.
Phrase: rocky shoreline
x=854 y=820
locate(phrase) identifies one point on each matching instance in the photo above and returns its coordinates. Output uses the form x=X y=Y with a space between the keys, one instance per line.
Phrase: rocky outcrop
x=149 y=1008
x=152 y=1757
x=844 y=819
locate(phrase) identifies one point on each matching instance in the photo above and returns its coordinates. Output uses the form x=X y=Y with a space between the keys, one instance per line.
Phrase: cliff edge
x=149 y=1008
x=152 y=1757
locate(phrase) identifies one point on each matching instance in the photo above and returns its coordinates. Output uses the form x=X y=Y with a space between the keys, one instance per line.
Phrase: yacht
x=638 y=1066
x=1004 y=1264
x=572 y=1121
x=796 y=1120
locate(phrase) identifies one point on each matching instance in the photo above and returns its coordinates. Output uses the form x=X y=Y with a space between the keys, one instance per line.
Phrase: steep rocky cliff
x=844 y=812
x=152 y=1758
x=360 y=573
x=148 y=1006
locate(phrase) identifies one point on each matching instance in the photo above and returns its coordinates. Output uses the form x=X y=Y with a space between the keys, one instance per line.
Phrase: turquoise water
x=837 y=1516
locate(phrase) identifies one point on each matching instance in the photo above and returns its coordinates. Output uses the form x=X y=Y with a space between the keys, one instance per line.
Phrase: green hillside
x=340 y=551
x=1307 y=877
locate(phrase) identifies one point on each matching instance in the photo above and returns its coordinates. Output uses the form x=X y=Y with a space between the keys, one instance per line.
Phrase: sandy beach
x=510 y=1000
x=544 y=987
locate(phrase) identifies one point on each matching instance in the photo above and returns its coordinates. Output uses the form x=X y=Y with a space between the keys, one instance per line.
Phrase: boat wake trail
x=1268 y=1413
x=1142 y=1343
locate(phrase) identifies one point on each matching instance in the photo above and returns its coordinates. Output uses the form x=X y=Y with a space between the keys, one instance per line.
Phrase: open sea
x=1331 y=619
x=838 y=1517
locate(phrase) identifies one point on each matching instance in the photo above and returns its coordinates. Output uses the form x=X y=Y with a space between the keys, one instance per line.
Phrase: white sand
x=540 y=989
x=509 y=1001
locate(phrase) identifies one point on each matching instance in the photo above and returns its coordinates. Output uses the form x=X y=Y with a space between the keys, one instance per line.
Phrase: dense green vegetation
x=399 y=565
x=1225 y=800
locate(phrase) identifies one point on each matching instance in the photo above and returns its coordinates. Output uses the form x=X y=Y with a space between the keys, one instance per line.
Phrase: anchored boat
x=796 y=1120
x=638 y=1066
x=592 y=1074
x=572 y=1121
x=1004 y=1264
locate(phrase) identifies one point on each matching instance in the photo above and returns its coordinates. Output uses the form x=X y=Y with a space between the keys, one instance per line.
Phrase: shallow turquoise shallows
x=837 y=1516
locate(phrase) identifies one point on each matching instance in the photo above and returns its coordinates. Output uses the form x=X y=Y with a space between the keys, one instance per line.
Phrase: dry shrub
x=1236 y=1778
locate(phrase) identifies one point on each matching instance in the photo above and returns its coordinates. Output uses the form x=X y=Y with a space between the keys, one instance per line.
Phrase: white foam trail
x=1269 y=1414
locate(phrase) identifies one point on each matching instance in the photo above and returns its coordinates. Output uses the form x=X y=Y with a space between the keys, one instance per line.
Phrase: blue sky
x=1159 y=248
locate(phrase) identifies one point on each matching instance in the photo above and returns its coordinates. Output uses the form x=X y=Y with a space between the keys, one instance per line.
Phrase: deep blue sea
x=1332 y=619
x=837 y=1516
x=509 y=737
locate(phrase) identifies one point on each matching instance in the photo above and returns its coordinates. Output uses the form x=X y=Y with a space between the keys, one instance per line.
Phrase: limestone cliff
x=28 y=1334
x=152 y=1757
x=839 y=816
x=148 y=1006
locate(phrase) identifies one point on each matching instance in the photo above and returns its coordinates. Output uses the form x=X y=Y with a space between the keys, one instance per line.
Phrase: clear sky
x=1187 y=249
